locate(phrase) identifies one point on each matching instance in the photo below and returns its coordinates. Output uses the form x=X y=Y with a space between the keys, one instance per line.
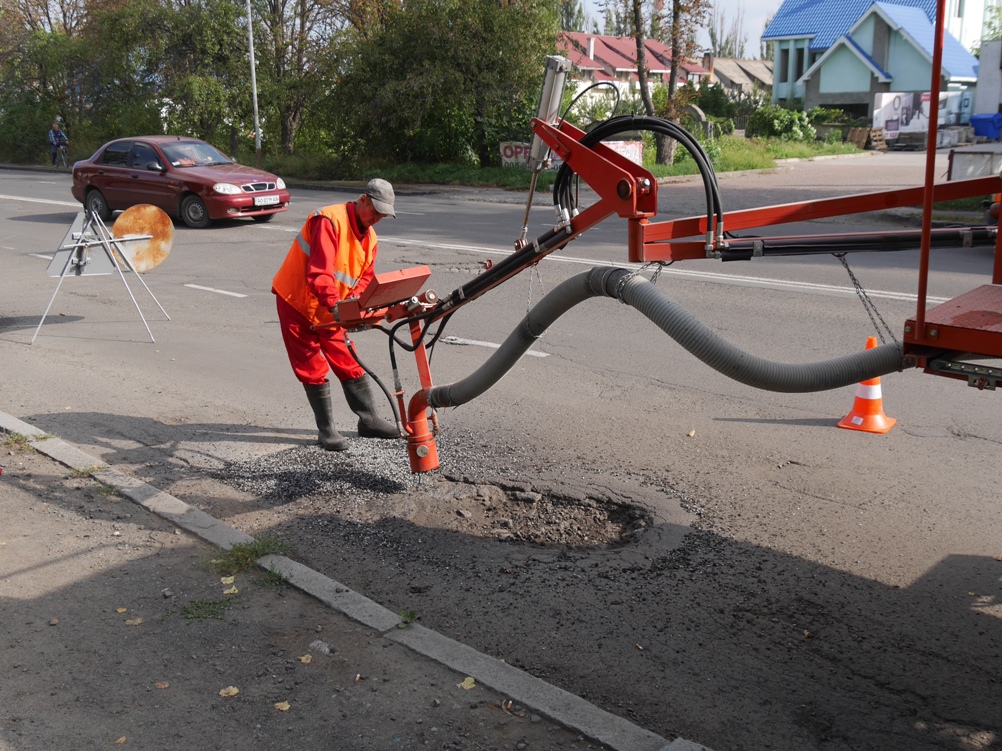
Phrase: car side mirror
x=155 y=167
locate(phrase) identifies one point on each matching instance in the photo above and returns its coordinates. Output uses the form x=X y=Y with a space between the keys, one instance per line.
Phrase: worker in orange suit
x=332 y=259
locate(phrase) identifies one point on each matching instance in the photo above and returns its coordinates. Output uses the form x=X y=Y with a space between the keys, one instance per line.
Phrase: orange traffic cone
x=868 y=410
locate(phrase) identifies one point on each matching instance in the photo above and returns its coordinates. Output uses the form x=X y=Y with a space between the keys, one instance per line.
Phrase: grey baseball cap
x=381 y=194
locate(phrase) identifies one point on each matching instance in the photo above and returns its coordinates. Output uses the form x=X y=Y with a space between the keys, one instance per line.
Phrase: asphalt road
x=837 y=590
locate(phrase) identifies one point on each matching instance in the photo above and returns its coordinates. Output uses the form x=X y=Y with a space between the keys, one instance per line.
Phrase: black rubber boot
x=358 y=393
x=320 y=400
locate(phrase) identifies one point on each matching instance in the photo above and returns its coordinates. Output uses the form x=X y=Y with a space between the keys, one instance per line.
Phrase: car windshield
x=192 y=154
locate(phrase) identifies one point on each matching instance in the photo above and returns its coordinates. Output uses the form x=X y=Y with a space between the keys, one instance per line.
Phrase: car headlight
x=227 y=189
x=280 y=184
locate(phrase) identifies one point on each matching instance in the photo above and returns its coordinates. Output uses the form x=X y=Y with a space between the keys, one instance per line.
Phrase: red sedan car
x=187 y=178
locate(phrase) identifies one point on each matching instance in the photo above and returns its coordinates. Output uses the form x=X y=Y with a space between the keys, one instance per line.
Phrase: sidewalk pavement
x=119 y=634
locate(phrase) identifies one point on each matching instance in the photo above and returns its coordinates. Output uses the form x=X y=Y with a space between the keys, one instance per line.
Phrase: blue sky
x=753 y=24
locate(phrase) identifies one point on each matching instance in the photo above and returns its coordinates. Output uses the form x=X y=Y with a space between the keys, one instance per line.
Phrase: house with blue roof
x=842 y=53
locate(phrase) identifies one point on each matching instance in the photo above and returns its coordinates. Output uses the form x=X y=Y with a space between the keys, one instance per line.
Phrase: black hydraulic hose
x=743 y=249
x=627 y=123
x=372 y=374
x=679 y=324
x=501 y=270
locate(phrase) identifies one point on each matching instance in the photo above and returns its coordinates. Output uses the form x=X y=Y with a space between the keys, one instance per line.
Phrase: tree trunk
x=645 y=92
x=672 y=114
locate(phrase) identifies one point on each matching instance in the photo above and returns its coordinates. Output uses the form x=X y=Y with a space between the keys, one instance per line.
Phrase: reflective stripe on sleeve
x=345 y=279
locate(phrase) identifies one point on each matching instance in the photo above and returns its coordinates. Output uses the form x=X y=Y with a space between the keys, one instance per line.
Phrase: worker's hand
x=337 y=316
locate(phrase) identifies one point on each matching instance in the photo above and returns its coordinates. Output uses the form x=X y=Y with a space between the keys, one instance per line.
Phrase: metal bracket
x=979 y=376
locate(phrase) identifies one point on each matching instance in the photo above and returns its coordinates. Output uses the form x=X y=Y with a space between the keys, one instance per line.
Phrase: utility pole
x=257 y=125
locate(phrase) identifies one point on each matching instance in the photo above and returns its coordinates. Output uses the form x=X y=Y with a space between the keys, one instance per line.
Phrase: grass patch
x=962 y=204
x=243 y=556
x=272 y=578
x=16 y=441
x=204 y=609
x=806 y=150
x=85 y=472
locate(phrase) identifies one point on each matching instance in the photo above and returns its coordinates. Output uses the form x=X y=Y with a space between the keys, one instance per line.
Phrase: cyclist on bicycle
x=57 y=139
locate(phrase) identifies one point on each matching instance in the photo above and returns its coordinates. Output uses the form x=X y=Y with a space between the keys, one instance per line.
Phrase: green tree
x=41 y=59
x=617 y=17
x=765 y=48
x=727 y=41
x=679 y=33
x=293 y=50
x=572 y=15
x=992 y=28
x=180 y=68
x=439 y=81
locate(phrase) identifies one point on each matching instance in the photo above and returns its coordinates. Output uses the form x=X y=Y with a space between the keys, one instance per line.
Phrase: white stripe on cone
x=868 y=392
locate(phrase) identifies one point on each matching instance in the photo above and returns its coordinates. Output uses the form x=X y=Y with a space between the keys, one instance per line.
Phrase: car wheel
x=194 y=213
x=95 y=203
x=263 y=217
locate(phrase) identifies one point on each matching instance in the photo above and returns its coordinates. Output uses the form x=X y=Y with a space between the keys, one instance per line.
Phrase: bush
x=714 y=101
x=771 y=121
x=722 y=126
x=825 y=115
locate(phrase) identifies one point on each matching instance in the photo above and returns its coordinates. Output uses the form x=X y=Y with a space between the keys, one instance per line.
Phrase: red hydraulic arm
x=935 y=340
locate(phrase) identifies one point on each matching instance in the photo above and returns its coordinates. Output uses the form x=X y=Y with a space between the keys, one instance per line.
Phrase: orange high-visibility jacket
x=353 y=258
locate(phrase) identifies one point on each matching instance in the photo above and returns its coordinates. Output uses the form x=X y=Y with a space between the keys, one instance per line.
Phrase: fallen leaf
x=133 y=622
x=229 y=691
x=467 y=684
x=306 y=659
x=230 y=591
x=122 y=610
x=227 y=580
x=282 y=706
x=120 y=741
x=162 y=684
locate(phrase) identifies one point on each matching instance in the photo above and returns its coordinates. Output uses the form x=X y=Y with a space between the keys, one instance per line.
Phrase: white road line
x=41 y=200
x=217 y=291
x=41 y=255
x=702 y=276
x=489 y=345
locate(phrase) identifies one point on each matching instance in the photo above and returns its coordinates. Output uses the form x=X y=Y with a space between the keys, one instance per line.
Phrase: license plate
x=265 y=200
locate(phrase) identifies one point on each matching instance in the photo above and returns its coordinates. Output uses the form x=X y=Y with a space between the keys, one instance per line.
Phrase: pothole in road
x=357 y=486
x=544 y=518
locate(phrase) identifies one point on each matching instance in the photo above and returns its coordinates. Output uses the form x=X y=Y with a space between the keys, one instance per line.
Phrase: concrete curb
x=558 y=705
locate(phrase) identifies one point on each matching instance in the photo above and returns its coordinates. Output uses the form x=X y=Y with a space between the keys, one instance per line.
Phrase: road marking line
x=702 y=276
x=40 y=255
x=489 y=345
x=217 y=291
x=41 y=200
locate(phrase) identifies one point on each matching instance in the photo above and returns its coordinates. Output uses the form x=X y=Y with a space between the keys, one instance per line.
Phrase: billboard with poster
x=909 y=112
x=516 y=154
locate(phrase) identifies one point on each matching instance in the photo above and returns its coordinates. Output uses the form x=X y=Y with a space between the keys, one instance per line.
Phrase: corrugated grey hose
x=681 y=326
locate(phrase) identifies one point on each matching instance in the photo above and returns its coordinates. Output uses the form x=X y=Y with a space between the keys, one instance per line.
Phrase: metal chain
x=659 y=266
x=868 y=305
